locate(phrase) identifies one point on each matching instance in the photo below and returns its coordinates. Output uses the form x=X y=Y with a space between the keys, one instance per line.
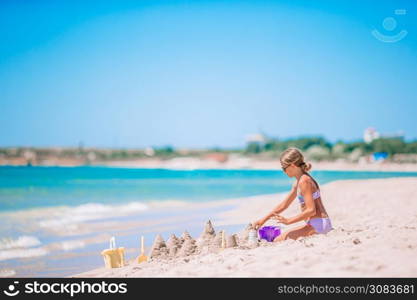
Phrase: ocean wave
x=70 y=217
x=66 y=245
x=71 y=245
x=22 y=253
x=20 y=242
x=7 y=273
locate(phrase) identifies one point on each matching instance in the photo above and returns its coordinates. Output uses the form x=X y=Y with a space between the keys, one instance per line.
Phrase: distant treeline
x=320 y=148
x=81 y=152
x=316 y=148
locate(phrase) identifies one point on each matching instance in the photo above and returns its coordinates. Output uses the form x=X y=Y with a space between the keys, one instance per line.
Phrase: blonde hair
x=294 y=156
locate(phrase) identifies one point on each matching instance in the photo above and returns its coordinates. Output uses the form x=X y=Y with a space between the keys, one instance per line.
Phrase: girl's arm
x=283 y=205
x=306 y=189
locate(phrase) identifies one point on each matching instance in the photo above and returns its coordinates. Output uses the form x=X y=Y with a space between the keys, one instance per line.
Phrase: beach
x=374 y=235
x=167 y=129
x=217 y=161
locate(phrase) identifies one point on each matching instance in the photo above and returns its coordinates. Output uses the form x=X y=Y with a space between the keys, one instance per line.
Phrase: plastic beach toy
x=252 y=238
x=142 y=257
x=269 y=233
x=113 y=257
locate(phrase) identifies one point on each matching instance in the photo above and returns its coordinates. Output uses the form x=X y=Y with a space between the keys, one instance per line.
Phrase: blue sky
x=203 y=73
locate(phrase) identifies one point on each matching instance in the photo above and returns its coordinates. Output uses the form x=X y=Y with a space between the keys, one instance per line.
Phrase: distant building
x=257 y=138
x=370 y=134
x=149 y=151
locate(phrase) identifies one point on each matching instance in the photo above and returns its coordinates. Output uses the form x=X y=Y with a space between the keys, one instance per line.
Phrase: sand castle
x=231 y=241
x=189 y=247
x=208 y=242
x=173 y=244
x=159 y=249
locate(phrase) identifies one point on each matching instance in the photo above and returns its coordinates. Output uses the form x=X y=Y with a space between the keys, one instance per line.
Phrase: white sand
x=375 y=235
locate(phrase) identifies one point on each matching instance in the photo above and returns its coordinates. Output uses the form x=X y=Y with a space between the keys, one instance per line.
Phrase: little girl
x=308 y=193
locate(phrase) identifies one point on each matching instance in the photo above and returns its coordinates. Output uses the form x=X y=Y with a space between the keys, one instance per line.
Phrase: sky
x=203 y=74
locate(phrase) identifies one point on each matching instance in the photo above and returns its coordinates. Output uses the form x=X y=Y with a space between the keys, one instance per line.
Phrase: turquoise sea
x=54 y=221
x=35 y=187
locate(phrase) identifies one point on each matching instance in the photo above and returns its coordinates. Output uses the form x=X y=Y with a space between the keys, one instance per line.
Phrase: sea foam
x=70 y=217
x=22 y=253
x=20 y=242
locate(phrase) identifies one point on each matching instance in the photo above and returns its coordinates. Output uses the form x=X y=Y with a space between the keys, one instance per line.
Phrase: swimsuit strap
x=316 y=194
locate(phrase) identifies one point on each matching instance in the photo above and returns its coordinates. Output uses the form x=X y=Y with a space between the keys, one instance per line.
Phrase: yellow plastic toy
x=142 y=257
x=113 y=257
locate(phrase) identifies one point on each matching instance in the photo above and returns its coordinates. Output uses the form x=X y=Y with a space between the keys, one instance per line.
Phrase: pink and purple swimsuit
x=321 y=225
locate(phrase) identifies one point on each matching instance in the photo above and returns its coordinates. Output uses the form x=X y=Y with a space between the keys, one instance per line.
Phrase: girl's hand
x=258 y=224
x=281 y=219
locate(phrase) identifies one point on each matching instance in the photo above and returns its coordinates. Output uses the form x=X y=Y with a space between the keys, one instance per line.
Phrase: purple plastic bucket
x=269 y=233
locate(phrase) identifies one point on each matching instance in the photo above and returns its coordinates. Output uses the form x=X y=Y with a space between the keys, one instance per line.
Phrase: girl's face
x=288 y=169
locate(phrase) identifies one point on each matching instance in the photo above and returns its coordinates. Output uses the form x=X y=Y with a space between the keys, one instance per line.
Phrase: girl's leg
x=302 y=231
